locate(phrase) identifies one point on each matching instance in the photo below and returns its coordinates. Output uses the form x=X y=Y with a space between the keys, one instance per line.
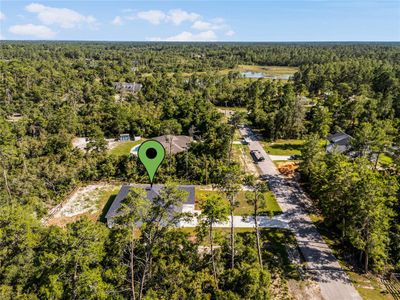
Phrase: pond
x=249 y=74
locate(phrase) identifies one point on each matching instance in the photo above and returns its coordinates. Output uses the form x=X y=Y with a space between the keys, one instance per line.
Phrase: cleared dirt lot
x=87 y=201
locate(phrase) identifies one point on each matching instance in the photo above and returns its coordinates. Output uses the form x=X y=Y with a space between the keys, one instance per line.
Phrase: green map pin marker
x=151 y=153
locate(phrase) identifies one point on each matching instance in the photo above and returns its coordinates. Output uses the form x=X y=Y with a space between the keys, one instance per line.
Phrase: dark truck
x=256 y=155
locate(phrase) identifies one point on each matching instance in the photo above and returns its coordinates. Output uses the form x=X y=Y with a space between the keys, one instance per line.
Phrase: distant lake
x=253 y=74
x=263 y=75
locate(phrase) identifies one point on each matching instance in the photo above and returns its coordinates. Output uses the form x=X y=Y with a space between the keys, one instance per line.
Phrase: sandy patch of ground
x=245 y=160
x=301 y=290
x=88 y=201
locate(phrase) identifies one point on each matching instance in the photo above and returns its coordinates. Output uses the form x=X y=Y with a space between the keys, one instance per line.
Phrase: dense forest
x=63 y=90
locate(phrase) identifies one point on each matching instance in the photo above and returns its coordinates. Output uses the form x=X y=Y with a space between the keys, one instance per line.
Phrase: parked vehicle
x=256 y=155
x=295 y=157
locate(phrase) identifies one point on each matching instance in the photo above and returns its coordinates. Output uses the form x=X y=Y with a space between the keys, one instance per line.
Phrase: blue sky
x=202 y=20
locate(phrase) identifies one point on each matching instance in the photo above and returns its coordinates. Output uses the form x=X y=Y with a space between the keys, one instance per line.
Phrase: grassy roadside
x=368 y=285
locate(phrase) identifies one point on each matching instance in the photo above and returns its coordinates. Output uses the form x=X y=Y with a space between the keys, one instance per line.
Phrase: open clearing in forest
x=90 y=201
x=269 y=71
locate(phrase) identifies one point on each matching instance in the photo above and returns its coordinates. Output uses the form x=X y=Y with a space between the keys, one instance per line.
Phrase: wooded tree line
x=357 y=200
x=63 y=90
x=141 y=257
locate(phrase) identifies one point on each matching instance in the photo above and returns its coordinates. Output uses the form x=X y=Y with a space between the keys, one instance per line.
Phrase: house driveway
x=248 y=222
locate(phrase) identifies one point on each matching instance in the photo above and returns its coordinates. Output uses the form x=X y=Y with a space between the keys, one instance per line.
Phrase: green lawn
x=271 y=205
x=105 y=201
x=267 y=70
x=234 y=108
x=283 y=147
x=124 y=148
x=385 y=160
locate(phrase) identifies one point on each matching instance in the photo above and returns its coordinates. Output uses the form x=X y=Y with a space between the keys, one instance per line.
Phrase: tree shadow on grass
x=106 y=207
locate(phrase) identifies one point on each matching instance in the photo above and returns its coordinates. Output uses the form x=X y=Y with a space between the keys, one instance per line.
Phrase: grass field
x=283 y=147
x=272 y=207
x=234 y=108
x=385 y=160
x=268 y=70
x=124 y=148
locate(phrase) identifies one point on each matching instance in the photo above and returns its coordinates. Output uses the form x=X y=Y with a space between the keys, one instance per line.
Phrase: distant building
x=124 y=137
x=174 y=143
x=152 y=193
x=132 y=87
x=15 y=117
x=340 y=142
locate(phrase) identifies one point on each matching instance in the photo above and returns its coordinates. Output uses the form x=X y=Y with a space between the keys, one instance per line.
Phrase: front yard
x=283 y=147
x=271 y=207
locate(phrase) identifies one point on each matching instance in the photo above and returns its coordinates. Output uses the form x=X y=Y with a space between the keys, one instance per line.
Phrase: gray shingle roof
x=175 y=143
x=339 y=136
x=151 y=194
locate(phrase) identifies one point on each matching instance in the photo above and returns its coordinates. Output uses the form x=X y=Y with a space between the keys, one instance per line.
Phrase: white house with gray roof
x=152 y=193
x=340 y=142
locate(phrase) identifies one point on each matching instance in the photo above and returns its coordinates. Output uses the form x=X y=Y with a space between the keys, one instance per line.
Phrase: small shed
x=124 y=137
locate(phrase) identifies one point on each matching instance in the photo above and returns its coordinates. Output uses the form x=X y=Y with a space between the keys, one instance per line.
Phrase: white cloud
x=187 y=36
x=64 y=17
x=201 y=25
x=230 y=33
x=2 y=16
x=177 y=16
x=117 y=21
x=37 y=31
x=156 y=17
x=215 y=24
x=153 y=16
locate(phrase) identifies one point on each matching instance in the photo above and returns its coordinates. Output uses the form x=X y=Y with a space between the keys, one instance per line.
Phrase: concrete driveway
x=322 y=265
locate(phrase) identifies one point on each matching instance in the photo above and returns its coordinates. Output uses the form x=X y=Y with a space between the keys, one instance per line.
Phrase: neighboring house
x=15 y=117
x=174 y=143
x=340 y=142
x=132 y=87
x=124 y=137
x=152 y=193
